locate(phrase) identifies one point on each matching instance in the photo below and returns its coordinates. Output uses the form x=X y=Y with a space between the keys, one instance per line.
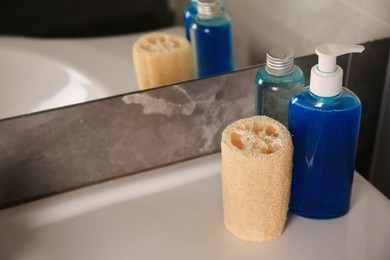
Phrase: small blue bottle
x=189 y=15
x=324 y=121
x=276 y=83
x=211 y=38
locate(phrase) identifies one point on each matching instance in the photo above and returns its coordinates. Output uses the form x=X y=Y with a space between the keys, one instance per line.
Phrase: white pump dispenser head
x=327 y=77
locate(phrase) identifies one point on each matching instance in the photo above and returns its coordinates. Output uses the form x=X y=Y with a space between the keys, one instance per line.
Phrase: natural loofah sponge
x=162 y=59
x=256 y=177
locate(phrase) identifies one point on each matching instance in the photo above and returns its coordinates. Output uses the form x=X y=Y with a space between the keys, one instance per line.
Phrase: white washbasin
x=32 y=82
x=40 y=74
x=175 y=212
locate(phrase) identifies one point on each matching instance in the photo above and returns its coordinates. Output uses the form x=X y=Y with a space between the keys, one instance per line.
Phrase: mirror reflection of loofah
x=161 y=59
x=256 y=177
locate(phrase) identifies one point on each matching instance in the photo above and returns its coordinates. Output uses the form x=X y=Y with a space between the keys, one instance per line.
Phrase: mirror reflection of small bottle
x=211 y=39
x=189 y=14
x=276 y=83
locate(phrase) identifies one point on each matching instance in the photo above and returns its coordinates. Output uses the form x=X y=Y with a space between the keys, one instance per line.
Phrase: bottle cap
x=209 y=8
x=326 y=78
x=280 y=61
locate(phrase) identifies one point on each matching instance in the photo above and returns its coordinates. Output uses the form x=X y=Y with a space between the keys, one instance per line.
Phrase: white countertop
x=175 y=212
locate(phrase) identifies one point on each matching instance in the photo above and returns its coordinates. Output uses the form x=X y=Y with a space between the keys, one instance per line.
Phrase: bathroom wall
x=366 y=77
x=380 y=166
x=300 y=24
x=303 y=24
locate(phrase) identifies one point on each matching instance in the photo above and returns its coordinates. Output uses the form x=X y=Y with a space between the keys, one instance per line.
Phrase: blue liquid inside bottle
x=189 y=14
x=325 y=134
x=212 y=45
x=273 y=93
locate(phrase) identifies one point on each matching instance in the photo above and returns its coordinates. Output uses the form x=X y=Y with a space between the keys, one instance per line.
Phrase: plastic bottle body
x=189 y=15
x=325 y=135
x=273 y=93
x=212 y=45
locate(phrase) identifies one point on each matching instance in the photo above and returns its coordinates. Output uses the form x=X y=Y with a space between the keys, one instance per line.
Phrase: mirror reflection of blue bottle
x=276 y=83
x=189 y=15
x=211 y=39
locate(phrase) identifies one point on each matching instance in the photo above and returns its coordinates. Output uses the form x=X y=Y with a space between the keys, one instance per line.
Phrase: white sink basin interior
x=175 y=212
x=32 y=82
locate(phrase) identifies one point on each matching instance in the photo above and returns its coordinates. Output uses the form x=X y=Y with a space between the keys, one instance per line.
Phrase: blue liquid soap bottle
x=276 y=83
x=211 y=39
x=324 y=123
x=189 y=15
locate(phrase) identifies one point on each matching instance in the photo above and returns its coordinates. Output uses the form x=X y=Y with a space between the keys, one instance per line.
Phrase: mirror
x=257 y=25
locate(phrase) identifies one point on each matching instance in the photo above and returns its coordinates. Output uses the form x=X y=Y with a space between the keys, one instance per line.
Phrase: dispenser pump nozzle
x=327 y=54
x=326 y=78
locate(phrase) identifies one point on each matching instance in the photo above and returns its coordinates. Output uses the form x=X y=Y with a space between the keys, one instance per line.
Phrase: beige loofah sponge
x=162 y=59
x=256 y=177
